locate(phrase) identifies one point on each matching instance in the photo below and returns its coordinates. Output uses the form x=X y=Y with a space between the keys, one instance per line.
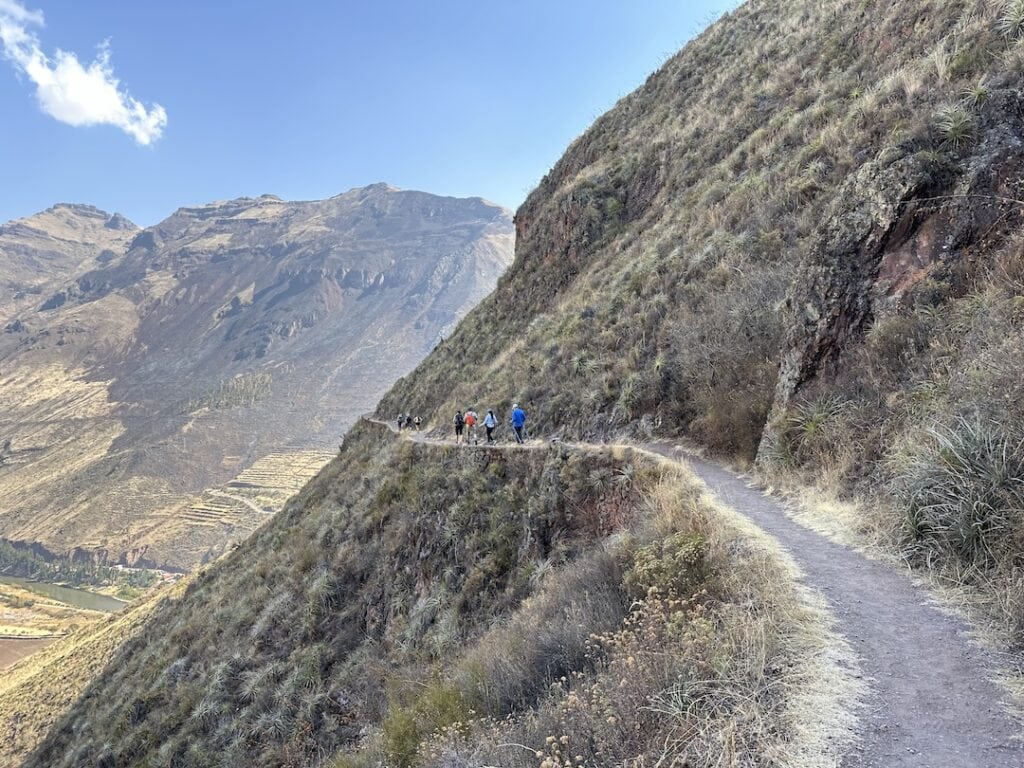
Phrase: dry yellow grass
x=775 y=683
x=823 y=689
x=41 y=412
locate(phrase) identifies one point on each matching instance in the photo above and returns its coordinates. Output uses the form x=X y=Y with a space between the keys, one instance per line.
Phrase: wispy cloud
x=70 y=91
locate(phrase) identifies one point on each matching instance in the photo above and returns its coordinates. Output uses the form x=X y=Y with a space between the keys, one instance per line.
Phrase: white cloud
x=67 y=89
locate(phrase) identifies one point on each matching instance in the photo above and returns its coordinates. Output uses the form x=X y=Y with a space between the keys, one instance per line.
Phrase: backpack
x=458 y=420
x=471 y=419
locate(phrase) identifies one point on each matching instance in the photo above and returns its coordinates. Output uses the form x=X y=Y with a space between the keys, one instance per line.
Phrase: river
x=79 y=598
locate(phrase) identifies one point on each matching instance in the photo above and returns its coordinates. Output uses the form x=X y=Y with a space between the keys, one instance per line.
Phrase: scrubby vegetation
x=25 y=563
x=665 y=646
x=418 y=602
x=830 y=190
x=243 y=389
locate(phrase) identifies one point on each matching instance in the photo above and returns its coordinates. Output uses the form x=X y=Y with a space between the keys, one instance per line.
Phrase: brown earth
x=12 y=651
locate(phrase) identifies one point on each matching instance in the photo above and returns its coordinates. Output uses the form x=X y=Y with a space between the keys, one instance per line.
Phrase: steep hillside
x=249 y=331
x=833 y=188
x=826 y=189
x=424 y=604
x=653 y=262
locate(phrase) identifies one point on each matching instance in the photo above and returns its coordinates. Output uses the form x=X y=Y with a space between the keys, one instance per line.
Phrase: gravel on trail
x=932 y=703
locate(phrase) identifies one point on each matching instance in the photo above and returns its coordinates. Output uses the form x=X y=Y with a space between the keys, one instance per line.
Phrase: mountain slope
x=657 y=254
x=798 y=241
x=40 y=252
x=724 y=220
x=414 y=599
x=222 y=335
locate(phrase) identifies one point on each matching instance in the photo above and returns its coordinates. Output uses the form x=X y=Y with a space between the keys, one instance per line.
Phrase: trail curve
x=932 y=702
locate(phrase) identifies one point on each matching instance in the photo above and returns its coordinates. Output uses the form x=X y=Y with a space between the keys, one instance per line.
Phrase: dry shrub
x=724 y=359
x=690 y=675
x=513 y=665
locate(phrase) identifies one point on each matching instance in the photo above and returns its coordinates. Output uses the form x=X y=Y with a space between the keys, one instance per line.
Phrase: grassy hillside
x=796 y=239
x=808 y=220
x=653 y=261
x=415 y=602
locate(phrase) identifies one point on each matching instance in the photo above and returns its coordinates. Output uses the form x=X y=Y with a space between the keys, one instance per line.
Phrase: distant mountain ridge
x=41 y=251
x=141 y=366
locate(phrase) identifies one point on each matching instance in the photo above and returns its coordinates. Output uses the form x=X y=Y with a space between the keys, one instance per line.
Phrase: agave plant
x=1011 y=20
x=963 y=490
x=955 y=124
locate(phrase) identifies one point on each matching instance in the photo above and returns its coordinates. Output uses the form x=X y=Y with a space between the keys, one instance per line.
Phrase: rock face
x=900 y=221
x=139 y=367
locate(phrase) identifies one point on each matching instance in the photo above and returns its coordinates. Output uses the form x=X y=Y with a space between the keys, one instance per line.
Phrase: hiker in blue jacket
x=518 y=422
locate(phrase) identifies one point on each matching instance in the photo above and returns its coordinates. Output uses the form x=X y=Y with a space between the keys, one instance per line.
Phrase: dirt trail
x=931 y=703
x=251 y=505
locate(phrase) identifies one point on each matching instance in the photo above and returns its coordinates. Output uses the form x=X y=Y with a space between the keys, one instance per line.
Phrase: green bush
x=436 y=707
x=962 y=487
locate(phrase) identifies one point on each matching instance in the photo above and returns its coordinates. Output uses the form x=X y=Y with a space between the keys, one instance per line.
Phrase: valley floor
x=14 y=650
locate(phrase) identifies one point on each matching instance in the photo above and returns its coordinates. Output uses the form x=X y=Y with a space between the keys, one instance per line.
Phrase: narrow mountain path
x=250 y=504
x=932 y=703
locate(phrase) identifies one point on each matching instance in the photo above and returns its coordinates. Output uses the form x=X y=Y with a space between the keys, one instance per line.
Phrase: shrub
x=676 y=566
x=1011 y=19
x=955 y=125
x=962 y=487
x=514 y=664
x=436 y=707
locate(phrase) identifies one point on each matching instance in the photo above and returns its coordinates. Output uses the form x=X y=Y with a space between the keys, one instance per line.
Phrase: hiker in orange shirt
x=471 y=420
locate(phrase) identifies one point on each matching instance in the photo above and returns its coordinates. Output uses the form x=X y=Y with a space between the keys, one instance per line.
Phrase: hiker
x=459 y=423
x=408 y=421
x=417 y=421
x=471 y=419
x=399 y=420
x=489 y=424
x=518 y=422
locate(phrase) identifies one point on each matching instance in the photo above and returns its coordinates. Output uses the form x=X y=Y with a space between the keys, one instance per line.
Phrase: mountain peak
x=379 y=188
x=80 y=209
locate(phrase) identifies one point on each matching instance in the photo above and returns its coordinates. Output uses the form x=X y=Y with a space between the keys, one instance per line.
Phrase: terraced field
x=237 y=508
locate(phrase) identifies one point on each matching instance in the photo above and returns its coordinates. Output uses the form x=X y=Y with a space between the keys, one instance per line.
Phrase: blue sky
x=225 y=98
